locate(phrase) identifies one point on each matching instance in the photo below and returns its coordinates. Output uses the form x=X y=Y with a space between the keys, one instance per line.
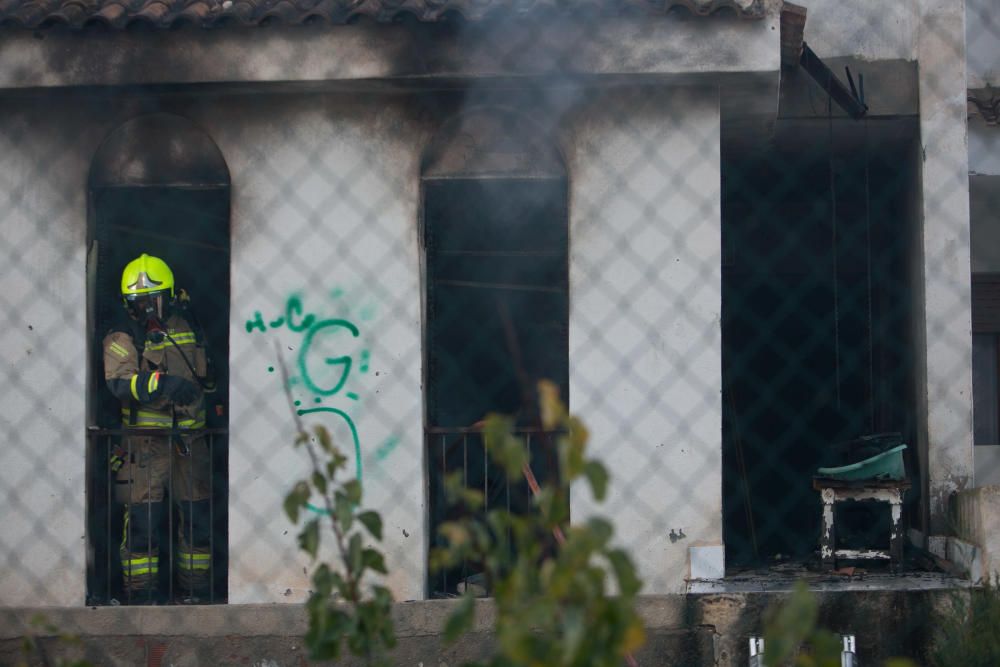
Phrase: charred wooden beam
x=827 y=80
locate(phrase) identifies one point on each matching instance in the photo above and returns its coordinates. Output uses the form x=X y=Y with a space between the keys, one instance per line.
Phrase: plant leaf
x=373 y=522
x=292 y=506
x=635 y=637
x=373 y=560
x=574 y=630
x=352 y=489
x=456 y=534
x=552 y=410
x=597 y=475
x=344 y=512
x=295 y=500
x=354 y=553
x=628 y=583
x=337 y=459
x=789 y=625
x=309 y=538
x=323 y=436
x=319 y=482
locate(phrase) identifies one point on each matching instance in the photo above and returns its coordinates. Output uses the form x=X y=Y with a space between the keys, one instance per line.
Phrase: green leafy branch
x=341 y=609
x=792 y=635
x=572 y=603
x=793 y=625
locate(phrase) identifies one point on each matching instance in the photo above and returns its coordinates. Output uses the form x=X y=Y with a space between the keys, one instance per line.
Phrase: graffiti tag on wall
x=324 y=362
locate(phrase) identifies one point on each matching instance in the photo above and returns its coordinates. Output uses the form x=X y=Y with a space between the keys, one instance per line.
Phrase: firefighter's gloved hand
x=178 y=390
x=117 y=460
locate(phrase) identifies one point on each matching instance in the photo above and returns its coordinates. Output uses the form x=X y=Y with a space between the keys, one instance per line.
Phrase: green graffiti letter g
x=344 y=362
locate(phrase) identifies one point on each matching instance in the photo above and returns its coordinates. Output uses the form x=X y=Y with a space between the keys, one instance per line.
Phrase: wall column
x=947 y=342
x=645 y=335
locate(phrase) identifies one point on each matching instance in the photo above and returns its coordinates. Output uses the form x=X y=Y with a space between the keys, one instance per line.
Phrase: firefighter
x=155 y=363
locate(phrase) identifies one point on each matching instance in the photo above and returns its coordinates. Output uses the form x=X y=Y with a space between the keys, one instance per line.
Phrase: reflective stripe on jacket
x=143 y=375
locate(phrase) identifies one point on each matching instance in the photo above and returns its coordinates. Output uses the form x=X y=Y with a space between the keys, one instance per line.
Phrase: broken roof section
x=119 y=14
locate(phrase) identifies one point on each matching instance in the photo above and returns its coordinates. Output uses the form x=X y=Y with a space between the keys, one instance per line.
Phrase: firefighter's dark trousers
x=152 y=466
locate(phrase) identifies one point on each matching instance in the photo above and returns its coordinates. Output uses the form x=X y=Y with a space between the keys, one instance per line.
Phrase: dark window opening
x=187 y=227
x=985 y=359
x=817 y=332
x=497 y=318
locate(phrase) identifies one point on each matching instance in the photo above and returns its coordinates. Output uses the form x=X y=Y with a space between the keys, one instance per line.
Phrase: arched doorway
x=496 y=253
x=158 y=184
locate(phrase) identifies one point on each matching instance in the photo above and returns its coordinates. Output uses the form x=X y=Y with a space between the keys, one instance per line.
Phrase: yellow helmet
x=145 y=275
x=147 y=288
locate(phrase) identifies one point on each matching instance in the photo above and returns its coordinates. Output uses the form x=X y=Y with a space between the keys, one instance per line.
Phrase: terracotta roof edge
x=211 y=13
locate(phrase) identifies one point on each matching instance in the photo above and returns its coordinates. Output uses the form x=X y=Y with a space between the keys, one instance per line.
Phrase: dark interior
x=816 y=333
x=187 y=227
x=497 y=321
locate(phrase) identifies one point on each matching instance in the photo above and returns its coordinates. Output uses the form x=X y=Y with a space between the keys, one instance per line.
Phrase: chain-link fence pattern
x=733 y=282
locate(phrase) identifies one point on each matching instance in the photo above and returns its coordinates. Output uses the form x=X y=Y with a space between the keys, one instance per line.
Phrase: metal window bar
x=170 y=529
x=465 y=483
x=447 y=441
x=444 y=457
x=211 y=524
x=107 y=516
x=109 y=437
x=149 y=537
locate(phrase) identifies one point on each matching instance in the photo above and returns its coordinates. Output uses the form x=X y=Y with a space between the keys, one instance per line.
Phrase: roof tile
x=34 y=14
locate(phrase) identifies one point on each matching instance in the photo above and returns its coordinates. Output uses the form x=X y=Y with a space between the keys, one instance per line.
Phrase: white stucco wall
x=885 y=30
x=645 y=336
x=946 y=254
x=329 y=201
x=325 y=209
x=43 y=349
x=325 y=201
x=325 y=205
x=890 y=30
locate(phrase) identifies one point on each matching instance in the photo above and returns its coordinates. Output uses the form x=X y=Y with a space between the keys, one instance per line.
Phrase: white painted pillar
x=947 y=348
x=645 y=335
x=304 y=251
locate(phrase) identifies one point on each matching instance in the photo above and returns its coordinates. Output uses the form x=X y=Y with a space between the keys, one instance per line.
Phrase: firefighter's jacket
x=134 y=368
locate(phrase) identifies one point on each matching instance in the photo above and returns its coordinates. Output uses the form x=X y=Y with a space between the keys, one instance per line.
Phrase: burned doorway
x=495 y=236
x=819 y=228
x=158 y=185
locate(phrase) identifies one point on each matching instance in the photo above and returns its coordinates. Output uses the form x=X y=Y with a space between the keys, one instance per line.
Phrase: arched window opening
x=496 y=252
x=159 y=185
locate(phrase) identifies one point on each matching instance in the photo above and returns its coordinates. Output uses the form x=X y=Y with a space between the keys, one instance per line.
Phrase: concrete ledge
x=412 y=619
x=681 y=629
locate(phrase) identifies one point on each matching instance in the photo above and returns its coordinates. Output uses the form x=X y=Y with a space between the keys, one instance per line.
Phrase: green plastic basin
x=887 y=465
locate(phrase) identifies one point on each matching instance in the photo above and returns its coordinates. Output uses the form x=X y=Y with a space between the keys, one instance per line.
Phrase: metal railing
x=109 y=505
x=466 y=450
